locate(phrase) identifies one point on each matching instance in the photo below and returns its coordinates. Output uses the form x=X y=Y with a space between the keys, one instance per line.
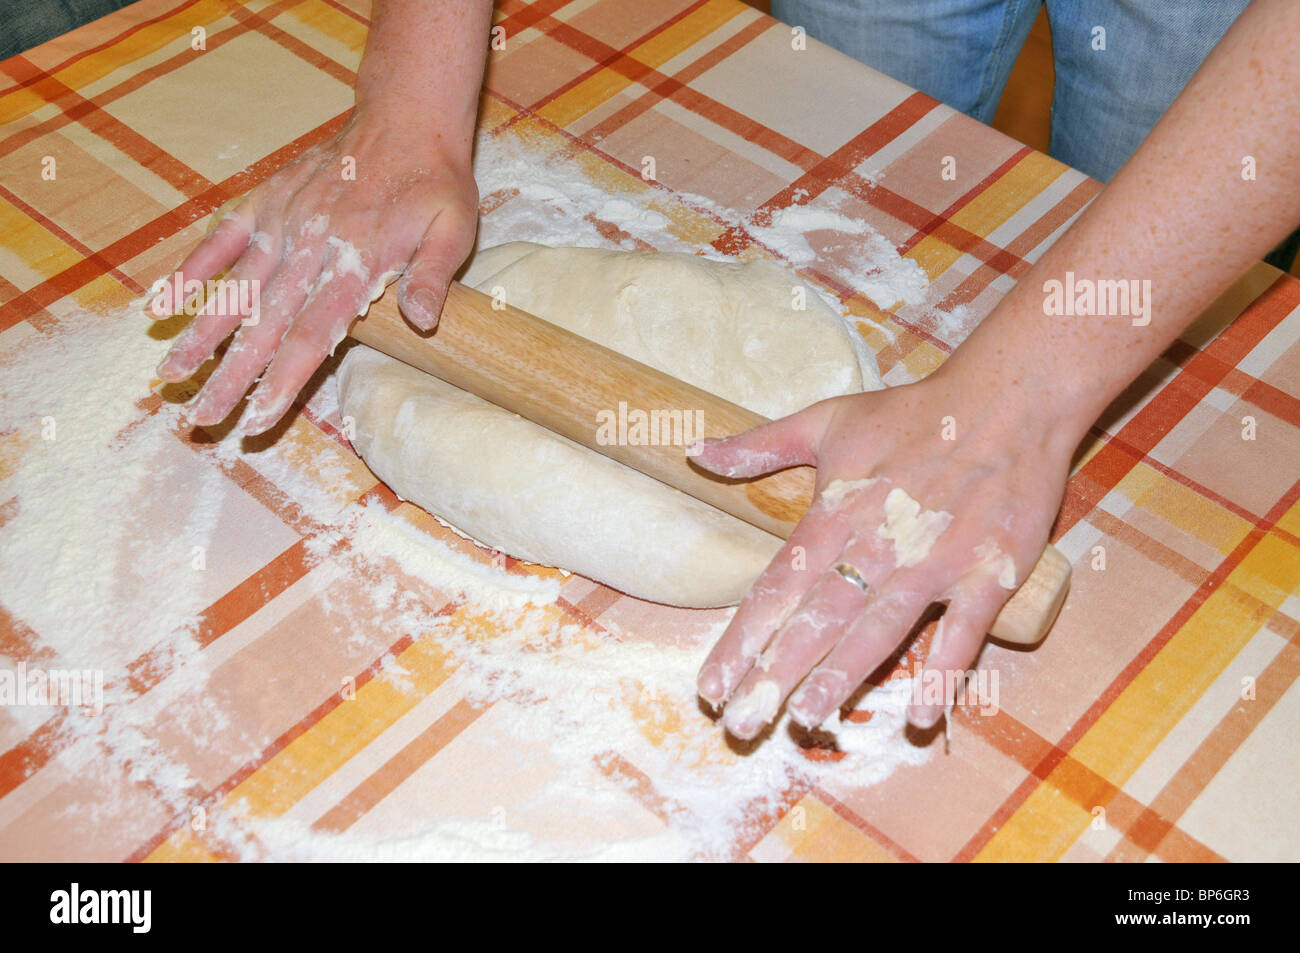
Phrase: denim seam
x=1011 y=14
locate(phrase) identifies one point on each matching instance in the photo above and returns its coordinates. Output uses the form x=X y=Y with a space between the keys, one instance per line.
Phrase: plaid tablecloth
x=1156 y=722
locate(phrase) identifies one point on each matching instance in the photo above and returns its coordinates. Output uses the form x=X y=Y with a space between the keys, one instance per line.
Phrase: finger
x=787 y=442
x=815 y=542
x=957 y=642
x=223 y=313
x=213 y=255
x=318 y=328
x=254 y=344
x=443 y=250
x=819 y=622
x=803 y=639
x=889 y=615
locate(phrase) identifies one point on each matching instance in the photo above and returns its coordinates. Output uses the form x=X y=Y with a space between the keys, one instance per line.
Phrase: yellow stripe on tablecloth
x=1184 y=509
x=141 y=43
x=30 y=246
x=344 y=732
x=654 y=52
x=1271 y=573
x=1050 y=820
x=825 y=836
x=339 y=736
x=988 y=210
x=183 y=847
x=329 y=22
x=1290 y=521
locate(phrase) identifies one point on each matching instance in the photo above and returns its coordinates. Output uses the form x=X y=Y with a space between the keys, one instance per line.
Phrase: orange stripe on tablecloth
x=668 y=87
x=1130 y=671
x=575 y=145
x=941 y=220
x=76 y=108
x=32 y=753
x=214 y=796
x=629 y=112
x=249 y=596
x=839 y=169
x=8 y=291
x=1042 y=760
x=19 y=642
x=71 y=241
x=841 y=163
x=865 y=826
x=1260 y=393
x=1200 y=372
x=637 y=783
x=527 y=14
x=732 y=44
x=1236 y=509
x=757 y=824
x=1265 y=313
x=347 y=11
x=1205 y=762
x=129 y=85
x=1157 y=552
x=151 y=666
x=979 y=279
x=230 y=610
x=597 y=601
x=116 y=38
x=261 y=21
x=1273 y=400
x=123 y=137
x=388 y=776
x=129 y=246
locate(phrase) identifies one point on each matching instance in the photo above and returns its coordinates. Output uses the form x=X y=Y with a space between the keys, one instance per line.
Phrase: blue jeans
x=28 y=23
x=961 y=52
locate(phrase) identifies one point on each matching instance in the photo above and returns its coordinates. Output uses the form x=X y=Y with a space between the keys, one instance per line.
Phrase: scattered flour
x=76 y=568
x=555 y=201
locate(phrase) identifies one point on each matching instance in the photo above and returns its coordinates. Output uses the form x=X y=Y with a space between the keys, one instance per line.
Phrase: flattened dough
x=728 y=328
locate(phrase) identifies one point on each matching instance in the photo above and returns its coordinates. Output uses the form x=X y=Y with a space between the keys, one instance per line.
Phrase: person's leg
x=958 y=51
x=29 y=23
x=1119 y=65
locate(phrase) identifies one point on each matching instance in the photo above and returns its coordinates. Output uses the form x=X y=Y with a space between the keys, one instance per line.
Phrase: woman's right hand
x=320 y=238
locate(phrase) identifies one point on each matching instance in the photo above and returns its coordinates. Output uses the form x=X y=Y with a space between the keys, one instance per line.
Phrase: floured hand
x=321 y=238
x=936 y=491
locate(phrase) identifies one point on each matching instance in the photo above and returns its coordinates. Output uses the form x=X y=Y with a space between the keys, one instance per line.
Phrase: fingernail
x=710 y=685
x=700 y=444
x=807 y=705
x=924 y=717
x=747 y=715
x=255 y=421
x=425 y=309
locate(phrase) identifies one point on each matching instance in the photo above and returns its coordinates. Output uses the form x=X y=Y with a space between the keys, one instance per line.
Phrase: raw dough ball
x=728 y=328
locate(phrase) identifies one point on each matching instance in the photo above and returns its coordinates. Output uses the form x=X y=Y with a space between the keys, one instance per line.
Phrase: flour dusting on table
x=98 y=590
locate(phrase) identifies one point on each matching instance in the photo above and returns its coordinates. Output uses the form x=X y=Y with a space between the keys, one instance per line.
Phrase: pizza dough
x=730 y=328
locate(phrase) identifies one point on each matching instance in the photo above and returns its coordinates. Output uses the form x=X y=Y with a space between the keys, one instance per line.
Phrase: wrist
x=376 y=128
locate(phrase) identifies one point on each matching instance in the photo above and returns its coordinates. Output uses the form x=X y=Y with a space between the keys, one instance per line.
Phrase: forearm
x=423 y=68
x=1180 y=214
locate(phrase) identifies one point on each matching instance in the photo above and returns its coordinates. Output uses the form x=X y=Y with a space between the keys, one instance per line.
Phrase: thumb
x=787 y=442
x=445 y=247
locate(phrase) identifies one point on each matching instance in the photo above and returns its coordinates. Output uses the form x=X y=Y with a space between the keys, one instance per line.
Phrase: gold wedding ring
x=852 y=575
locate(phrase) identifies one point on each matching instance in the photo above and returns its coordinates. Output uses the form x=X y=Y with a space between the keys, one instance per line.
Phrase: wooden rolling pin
x=561 y=380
